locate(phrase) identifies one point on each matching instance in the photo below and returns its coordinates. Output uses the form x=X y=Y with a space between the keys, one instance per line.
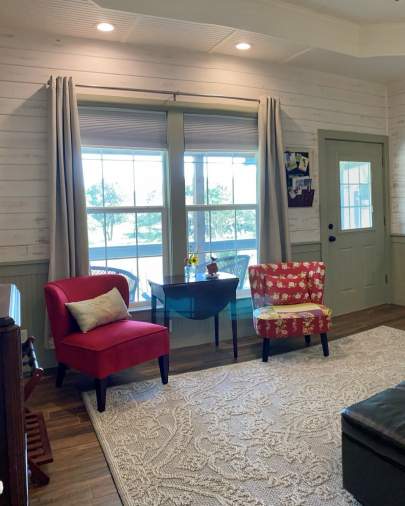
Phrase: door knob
x=332 y=238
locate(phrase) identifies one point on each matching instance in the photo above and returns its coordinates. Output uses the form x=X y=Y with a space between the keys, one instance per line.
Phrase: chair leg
x=101 y=392
x=307 y=340
x=325 y=346
x=266 y=350
x=60 y=375
x=164 y=368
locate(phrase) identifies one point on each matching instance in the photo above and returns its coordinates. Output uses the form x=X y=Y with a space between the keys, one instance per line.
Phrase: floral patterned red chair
x=288 y=302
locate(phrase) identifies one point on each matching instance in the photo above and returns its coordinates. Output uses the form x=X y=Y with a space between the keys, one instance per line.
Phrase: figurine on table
x=212 y=268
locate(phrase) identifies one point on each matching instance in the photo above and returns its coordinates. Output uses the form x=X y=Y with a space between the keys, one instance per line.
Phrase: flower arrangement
x=190 y=264
x=191 y=260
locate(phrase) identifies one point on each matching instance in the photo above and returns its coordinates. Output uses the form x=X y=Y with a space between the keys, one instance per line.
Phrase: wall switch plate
x=24 y=335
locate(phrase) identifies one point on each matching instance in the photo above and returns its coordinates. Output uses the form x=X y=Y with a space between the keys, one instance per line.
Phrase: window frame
x=228 y=206
x=350 y=207
x=135 y=209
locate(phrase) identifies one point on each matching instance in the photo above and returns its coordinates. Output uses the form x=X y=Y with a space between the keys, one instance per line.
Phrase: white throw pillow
x=106 y=308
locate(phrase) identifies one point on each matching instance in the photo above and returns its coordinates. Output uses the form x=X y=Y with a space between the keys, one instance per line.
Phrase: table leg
x=234 y=328
x=216 y=327
x=166 y=317
x=153 y=309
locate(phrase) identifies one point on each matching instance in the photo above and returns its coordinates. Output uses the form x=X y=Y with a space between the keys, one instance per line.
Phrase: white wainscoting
x=30 y=278
x=397 y=269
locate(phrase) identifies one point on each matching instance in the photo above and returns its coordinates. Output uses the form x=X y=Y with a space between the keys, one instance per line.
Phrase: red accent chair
x=274 y=321
x=105 y=349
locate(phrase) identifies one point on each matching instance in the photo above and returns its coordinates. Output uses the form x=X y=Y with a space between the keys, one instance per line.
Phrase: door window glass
x=356 y=210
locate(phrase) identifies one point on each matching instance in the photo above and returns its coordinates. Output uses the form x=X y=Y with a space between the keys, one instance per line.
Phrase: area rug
x=247 y=434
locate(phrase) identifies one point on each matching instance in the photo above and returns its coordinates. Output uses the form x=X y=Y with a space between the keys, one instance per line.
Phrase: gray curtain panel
x=274 y=236
x=68 y=219
x=67 y=211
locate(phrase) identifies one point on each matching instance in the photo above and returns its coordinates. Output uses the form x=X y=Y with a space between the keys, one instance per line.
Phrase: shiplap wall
x=310 y=101
x=396 y=115
x=396 y=122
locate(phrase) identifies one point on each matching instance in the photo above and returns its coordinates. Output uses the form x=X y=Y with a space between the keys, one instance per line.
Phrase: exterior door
x=355 y=244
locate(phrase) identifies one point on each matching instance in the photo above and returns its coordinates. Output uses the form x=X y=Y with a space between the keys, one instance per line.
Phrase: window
x=221 y=206
x=355 y=195
x=124 y=195
x=126 y=167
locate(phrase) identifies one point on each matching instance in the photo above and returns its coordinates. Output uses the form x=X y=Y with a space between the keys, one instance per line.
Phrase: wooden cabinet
x=13 y=461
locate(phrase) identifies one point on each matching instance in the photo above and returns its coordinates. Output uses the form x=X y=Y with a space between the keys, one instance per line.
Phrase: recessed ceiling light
x=105 y=27
x=243 y=46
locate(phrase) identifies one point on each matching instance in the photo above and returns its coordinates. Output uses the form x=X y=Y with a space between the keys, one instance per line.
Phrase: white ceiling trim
x=358 y=11
x=223 y=41
x=297 y=55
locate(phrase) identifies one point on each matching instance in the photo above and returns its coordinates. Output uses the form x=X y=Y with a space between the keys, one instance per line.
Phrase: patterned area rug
x=247 y=434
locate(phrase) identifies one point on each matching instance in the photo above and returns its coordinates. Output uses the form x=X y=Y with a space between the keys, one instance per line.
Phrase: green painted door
x=354 y=238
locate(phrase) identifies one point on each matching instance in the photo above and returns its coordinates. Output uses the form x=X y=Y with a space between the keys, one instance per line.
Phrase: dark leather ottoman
x=373 y=448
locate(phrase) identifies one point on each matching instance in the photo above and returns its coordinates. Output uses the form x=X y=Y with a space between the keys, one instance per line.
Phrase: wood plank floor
x=79 y=474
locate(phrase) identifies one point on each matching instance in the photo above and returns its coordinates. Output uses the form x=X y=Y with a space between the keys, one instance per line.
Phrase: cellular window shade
x=214 y=132
x=122 y=128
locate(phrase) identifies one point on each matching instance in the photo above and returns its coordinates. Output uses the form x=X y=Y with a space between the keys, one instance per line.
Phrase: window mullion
x=105 y=217
x=137 y=253
x=200 y=192
x=221 y=207
x=126 y=209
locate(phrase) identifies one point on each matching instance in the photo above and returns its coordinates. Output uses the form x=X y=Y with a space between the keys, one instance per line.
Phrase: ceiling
x=361 y=11
x=78 y=18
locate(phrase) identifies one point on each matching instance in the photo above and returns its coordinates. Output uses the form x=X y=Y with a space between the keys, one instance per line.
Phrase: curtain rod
x=175 y=94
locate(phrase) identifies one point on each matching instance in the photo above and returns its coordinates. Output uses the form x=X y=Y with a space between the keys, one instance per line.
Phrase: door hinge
x=386 y=279
x=385 y=222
